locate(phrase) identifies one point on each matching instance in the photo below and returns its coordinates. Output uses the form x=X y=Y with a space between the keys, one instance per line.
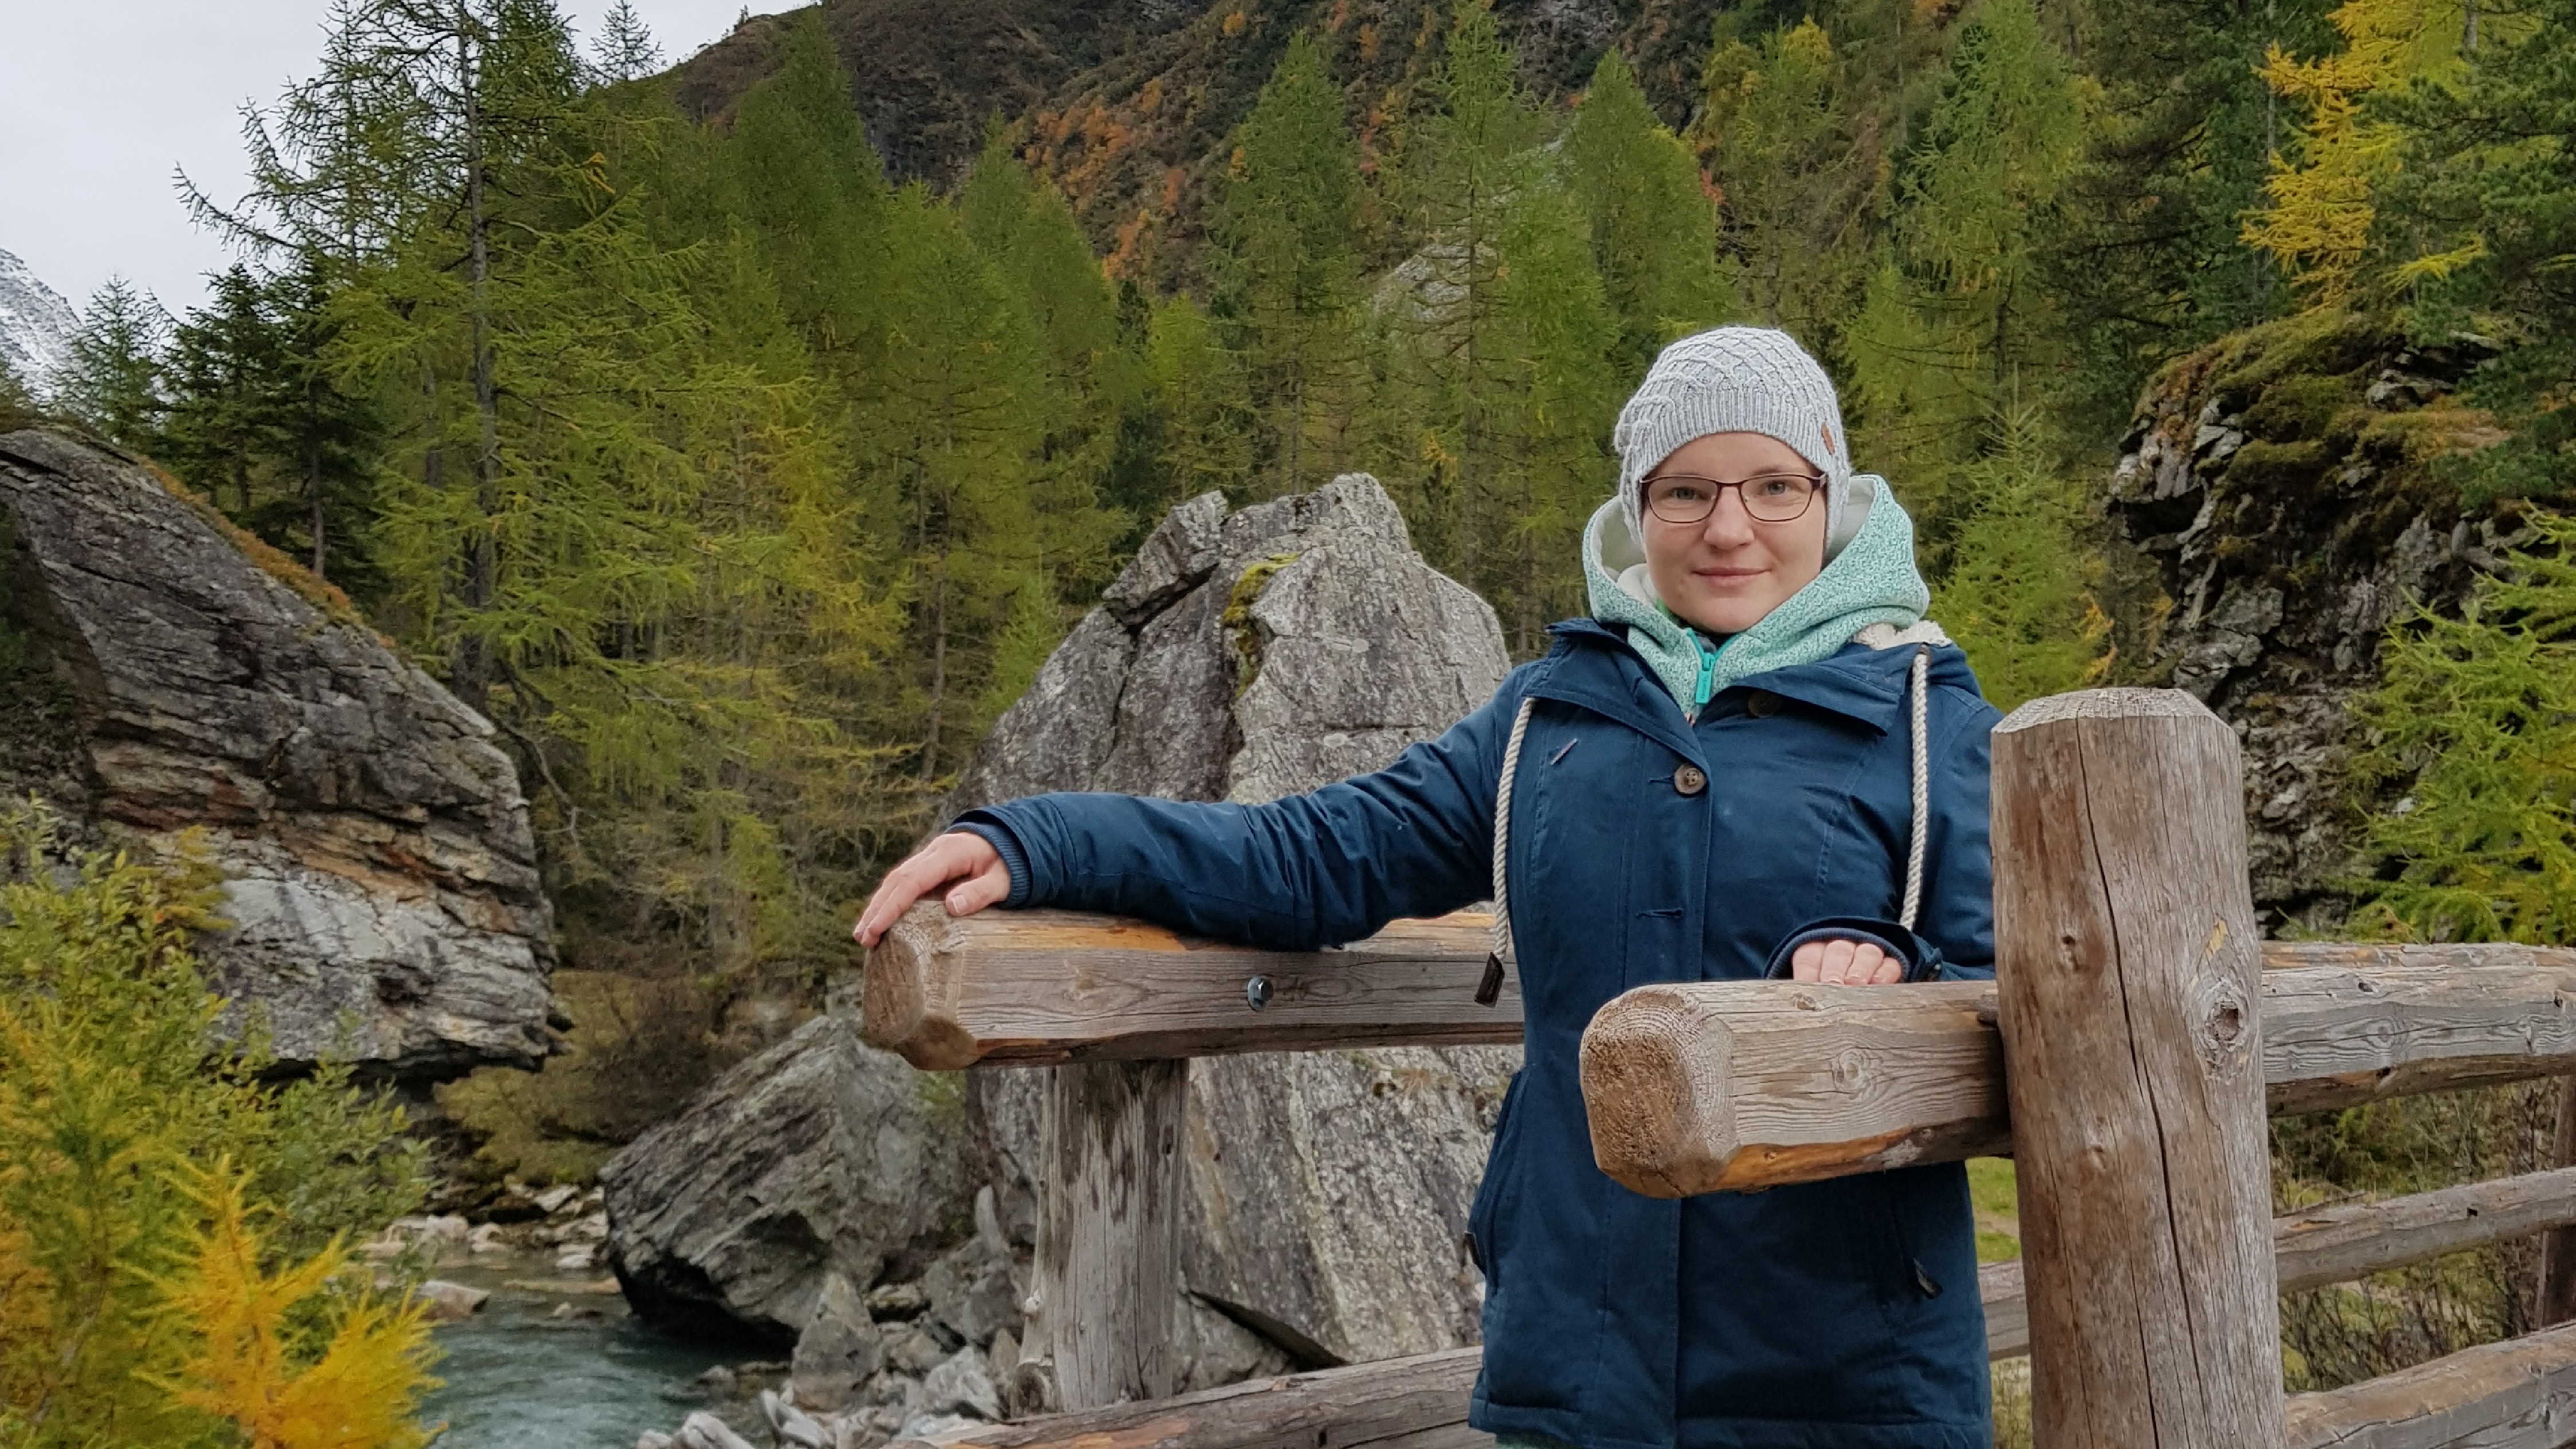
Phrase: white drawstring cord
x=1922 y=827
x=1502 y=954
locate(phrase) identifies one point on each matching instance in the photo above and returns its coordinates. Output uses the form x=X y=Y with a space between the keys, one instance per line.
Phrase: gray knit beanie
x=1738 y=380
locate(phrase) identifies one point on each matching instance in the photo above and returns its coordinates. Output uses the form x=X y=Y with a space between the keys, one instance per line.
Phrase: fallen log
x=1720 y=1086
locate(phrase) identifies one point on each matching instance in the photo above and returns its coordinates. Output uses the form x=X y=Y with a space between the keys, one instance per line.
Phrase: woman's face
x=1725 y=572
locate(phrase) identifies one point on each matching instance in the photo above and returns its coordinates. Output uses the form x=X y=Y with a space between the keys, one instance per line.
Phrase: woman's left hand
x=1845 y=963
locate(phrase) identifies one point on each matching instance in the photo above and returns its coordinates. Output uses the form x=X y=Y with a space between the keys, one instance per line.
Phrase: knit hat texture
x=1738 y=380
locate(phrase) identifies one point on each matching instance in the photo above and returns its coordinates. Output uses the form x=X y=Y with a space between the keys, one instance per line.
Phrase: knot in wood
x=2222 y=1025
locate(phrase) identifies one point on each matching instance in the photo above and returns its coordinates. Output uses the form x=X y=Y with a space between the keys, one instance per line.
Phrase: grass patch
x=1992 y=1194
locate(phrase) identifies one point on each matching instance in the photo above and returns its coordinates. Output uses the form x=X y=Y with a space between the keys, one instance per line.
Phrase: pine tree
x=2146 y=261
x=625 y=49
x=225 y=368
x=1283 y=251
x=1461 y=166
x=1653 y=228
x=803 y=171
x=111 y=377
x=1500 y=339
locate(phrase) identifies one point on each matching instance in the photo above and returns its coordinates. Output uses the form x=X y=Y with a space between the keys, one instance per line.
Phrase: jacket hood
x=1872 y=581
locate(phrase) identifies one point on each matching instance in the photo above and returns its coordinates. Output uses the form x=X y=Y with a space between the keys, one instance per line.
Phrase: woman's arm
x=1326 y=867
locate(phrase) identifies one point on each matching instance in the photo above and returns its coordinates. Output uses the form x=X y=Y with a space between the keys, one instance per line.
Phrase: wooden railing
x=2137 y=1039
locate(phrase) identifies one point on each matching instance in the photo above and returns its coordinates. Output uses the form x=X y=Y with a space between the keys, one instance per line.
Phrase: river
x=515 y=1376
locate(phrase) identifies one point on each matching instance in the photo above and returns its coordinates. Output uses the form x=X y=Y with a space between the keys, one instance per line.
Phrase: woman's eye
x=1684 y=492
x=1773 y=485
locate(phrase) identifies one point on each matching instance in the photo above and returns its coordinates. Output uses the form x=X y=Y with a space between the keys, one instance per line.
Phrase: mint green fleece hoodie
x=1872 y=581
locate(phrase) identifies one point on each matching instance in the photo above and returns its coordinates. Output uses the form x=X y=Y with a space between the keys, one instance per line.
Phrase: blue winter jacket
x=1832 y=1315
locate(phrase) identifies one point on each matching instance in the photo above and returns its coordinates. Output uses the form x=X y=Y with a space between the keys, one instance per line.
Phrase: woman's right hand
x=959 y=855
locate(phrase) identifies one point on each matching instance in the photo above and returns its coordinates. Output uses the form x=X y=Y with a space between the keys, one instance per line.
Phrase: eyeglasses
x=1767 y=497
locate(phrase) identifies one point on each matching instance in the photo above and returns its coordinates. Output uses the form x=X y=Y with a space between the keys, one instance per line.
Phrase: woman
x=1754 y=758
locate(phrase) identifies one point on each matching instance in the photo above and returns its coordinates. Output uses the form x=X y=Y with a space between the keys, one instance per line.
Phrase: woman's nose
x=1728 y=526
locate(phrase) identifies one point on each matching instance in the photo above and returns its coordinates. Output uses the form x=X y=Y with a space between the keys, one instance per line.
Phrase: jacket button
x=1690 y=779
x=1763 y=704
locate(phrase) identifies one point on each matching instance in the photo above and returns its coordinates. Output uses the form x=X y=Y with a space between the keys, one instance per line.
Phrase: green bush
x=170 y=1221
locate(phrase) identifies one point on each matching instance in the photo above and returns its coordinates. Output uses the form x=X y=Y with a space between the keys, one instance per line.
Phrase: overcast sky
x=102 y=102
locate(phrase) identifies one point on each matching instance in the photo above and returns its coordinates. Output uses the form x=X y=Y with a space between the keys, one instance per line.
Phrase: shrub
x=170 y=1270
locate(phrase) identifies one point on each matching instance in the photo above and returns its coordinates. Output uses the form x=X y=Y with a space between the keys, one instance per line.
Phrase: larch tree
x=1201 y=402
x=1651 y=219
x=1284 y=254
x=1955 y=328
x=1798 y=176
x=1463 y=163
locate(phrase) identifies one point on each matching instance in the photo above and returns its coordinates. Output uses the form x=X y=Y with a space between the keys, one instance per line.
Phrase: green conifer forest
x=743 y=481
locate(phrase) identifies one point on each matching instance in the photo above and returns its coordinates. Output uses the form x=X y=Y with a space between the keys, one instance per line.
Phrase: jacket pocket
x=1482 y=1243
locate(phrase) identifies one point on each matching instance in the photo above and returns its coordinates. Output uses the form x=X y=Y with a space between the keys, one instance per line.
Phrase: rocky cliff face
x=1244 y=656
x=2285 y=487
x=380 y=877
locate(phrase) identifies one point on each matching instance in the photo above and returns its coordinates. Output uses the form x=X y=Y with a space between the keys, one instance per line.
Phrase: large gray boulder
x=1244 y=656
x=379 y=872
x=819 y=1158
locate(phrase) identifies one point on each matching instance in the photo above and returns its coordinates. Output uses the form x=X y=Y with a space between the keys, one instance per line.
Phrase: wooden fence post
x=2127 y=960
x=1109 y=1235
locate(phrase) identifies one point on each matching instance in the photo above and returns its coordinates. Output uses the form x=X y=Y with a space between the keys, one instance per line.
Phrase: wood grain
x=2518 y=1394
x=1827 y=1081
x=1108 y=1255
x=1056 y=986
x=2350 y=1240
x=2128 y=965
x=1404 y=1403
x=2557 y=1299
x=1003 y=987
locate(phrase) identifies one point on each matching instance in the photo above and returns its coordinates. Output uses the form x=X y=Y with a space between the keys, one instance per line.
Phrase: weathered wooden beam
x=2349 y=1240
x=1056 y=986
x=1003 y=987
x=2129 y=964
x=1108 y=1269
x=1826 y=1081
x=2518 y=1394
x=1403 y=1403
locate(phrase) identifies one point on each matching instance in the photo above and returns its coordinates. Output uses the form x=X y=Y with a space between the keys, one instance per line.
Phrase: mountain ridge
x=35 y=324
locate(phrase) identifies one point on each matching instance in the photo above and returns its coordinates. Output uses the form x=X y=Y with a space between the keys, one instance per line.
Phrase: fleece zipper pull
x=1707 y=673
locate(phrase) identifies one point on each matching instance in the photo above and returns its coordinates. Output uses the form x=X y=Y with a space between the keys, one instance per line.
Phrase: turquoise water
x=518 y=1378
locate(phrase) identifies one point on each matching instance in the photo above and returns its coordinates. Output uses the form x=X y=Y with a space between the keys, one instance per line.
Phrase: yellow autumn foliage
x=154 y=1290
x=245 y=1365
x=2318 y=219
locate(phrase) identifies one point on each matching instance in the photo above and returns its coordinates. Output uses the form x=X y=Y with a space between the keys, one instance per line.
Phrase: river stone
x=819 y=1156
x=971 y=1290
x=839 y=1350
x=1280 y=647
x=379 y=872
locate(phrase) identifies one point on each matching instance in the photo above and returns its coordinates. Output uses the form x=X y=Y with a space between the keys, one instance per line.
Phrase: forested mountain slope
x=1131 y=109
